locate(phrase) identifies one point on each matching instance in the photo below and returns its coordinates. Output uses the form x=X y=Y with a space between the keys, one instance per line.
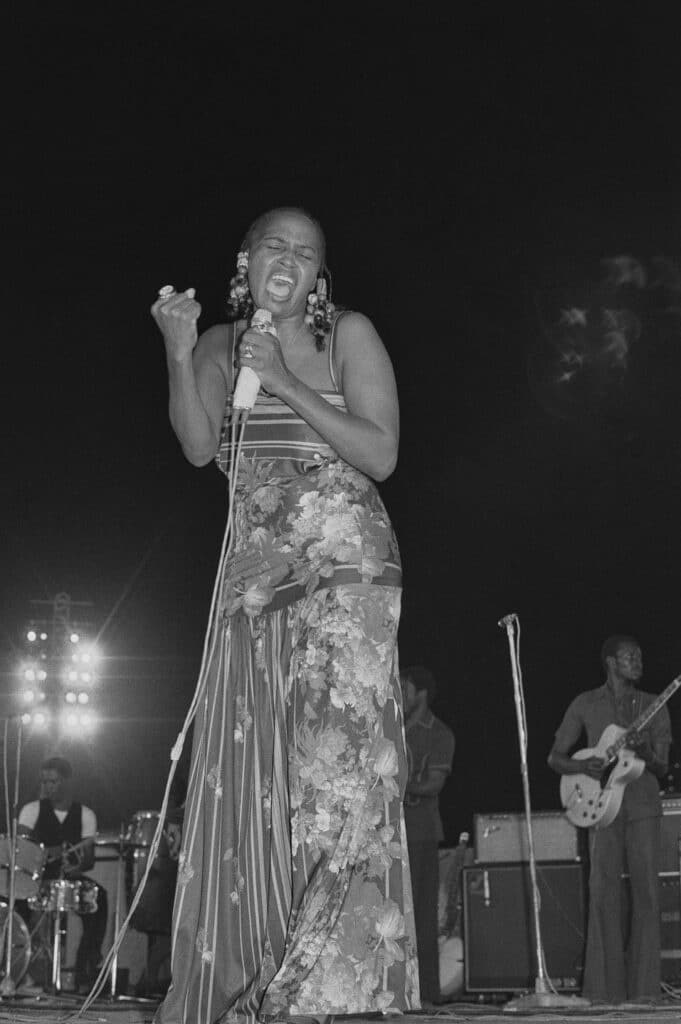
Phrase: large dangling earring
x=239 y=292
x=320 y=312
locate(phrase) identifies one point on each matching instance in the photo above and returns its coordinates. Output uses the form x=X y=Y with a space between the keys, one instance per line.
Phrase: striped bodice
x=274 y=432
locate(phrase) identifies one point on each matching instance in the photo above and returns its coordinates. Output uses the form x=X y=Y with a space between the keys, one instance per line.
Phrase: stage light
x=29 y=675
x=70 y=697
x=43 y=636
x=29 y=696
x=40 y=719
x=26 y=719
x=31 y=636
x=87 y=720
x=83 y=698
x=72 y=677
x=74 y=638
x=69 y=720
x=86 y=677
x=42 y=675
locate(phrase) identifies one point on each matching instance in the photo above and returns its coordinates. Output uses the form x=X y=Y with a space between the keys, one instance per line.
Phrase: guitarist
x=68 y=829
x=621 y=963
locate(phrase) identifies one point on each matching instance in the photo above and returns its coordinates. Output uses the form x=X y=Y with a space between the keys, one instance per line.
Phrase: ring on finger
x=166 y=291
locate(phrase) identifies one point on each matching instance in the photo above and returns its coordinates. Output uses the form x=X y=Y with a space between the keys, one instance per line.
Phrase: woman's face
x=283 y=262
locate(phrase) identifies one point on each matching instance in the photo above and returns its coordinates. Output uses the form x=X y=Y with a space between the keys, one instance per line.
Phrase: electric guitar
x=595 y=803
x=450 y=938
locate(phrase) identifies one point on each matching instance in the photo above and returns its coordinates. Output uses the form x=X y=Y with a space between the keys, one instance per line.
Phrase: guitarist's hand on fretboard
x=643 y=748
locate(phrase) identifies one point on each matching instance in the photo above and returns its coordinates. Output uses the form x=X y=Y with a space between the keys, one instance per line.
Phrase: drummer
x=67 y=829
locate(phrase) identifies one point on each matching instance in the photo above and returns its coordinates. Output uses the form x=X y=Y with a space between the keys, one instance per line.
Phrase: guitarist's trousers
x=623 y=949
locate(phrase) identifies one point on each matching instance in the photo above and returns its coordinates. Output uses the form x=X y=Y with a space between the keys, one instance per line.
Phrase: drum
x=29 y=864
x=138 y=838
x=21 y=946
x=60 y=895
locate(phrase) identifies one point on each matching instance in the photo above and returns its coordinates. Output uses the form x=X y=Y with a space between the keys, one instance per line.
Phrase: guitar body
x=450 y=913
x=595 y=803
x=451 y=965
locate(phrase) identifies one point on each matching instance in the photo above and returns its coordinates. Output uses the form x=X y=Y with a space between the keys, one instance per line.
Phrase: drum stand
x=117 y=917
x=58 y=931
x=7 y=985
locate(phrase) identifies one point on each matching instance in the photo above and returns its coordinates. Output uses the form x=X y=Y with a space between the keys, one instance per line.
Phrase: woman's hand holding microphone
x=260 y=350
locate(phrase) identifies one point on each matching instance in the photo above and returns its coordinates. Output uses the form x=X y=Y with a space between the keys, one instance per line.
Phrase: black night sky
x=500 y=194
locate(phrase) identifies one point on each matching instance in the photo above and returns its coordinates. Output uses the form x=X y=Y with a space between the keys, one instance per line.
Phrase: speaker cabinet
x=671 y=833
x=670 y=924
x=670 y=929
x=499 y=944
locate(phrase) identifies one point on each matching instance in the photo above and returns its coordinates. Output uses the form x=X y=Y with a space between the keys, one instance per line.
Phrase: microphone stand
x=7 y=985
x=544 y=995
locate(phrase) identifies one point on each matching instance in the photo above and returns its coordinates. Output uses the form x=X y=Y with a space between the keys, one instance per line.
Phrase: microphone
x=507 y=620
x=248 y=382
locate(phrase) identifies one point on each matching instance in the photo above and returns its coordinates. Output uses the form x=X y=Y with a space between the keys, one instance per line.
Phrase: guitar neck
x=646 y=715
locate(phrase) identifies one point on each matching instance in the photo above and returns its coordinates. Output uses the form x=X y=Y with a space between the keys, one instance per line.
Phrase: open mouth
x=280 y=286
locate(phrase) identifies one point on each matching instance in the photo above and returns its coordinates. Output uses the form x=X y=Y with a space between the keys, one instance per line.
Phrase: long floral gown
x=294 y=894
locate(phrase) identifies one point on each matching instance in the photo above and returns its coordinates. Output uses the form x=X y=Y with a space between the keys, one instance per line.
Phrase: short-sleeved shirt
x=430 y=747
x=591 y=712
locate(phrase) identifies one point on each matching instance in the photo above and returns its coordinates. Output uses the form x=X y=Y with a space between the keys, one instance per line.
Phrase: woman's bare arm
x=197 y=391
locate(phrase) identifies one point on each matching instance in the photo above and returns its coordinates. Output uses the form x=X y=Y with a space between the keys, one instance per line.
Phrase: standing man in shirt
x=614 y=973
x=68 y=829
x=430 y=749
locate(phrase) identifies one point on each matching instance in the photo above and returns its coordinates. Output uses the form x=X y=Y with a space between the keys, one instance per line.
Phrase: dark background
x=472 y=169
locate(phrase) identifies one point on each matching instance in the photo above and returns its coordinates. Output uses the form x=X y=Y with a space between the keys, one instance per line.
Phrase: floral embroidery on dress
x=244 y=720
x=346 y=778
x=185 y=872
x=302 y=530
x=202 y=947
x=214 y=780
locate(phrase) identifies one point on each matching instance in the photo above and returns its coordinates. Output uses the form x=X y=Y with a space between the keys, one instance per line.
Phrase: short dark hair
x=59 y=765
x=612 y=645
x=423 y=679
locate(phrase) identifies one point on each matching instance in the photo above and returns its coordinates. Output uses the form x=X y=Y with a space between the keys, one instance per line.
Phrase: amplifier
x=671 y=832
x=503 y=837
x=499 y=946
x=670 y=929
x=670 y=923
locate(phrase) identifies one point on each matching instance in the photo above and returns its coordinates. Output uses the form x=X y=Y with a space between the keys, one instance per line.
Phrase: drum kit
x=49 y=901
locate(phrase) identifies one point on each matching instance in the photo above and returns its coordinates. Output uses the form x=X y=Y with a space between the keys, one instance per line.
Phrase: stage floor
x=64 y=1010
